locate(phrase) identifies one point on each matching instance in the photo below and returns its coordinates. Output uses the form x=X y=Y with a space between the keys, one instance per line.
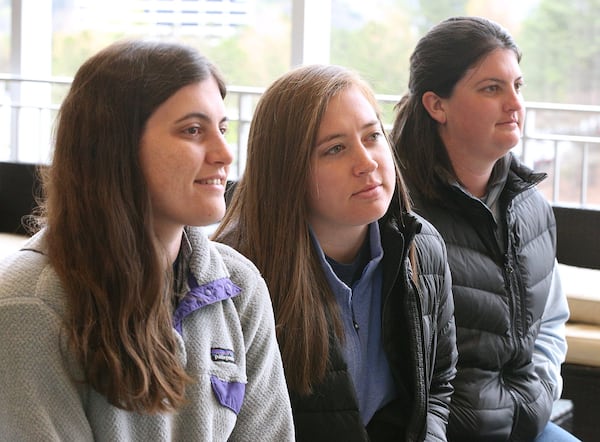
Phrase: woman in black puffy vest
x=453 y=134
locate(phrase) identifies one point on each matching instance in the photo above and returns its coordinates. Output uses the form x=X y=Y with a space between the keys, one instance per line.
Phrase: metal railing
x=568 y=137
x=562 y=140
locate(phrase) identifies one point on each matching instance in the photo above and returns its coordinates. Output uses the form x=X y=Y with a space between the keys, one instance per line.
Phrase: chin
x=214 y=220
x=207 y=218
x=370 y=218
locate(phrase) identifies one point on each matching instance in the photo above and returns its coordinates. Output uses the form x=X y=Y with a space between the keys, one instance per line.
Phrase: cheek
x=465 y=111
x=472 y=125
x=390 y=174
x=323 y=191
x=151 y=158
x=146 y=165
x=161 y=171
x=386 y=164
x=314 y=189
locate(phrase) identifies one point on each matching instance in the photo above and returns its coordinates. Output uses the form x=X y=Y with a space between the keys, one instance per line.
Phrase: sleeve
x=446 y=358
x=266 y=413
x=550 y=347
x=39 y=399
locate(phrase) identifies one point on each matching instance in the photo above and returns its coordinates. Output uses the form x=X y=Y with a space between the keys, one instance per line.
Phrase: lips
x=368 y=188
x=509 y=122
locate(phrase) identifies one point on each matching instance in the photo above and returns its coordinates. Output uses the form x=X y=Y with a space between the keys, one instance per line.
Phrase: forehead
x=350 y=101
x=499 y=64
x=203 y=96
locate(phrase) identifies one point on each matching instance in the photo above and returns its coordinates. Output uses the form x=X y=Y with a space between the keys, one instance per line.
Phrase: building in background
x=207 y=18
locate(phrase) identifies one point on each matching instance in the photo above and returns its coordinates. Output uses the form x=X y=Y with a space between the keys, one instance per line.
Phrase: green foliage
x=431 y=12
x=368 y=51
x=561 y=46
x=560 y=42
x=69 y=51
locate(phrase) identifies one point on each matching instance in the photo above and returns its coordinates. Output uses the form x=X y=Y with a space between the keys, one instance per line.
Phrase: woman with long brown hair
x=360 y=286
x=119 y=320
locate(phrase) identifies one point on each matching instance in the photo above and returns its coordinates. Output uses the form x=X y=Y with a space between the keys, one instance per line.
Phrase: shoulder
x=253 y=304
x=431 y=249
x=439 y=213
x=428 y=237
x=212 y=260
x=28 y=267
x=521 y=177
x=239 y=267
x=532 y=211
x=245 y=275
x=27 y=279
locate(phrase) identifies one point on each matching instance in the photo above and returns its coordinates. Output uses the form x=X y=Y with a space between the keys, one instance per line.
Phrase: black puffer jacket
x=500 y=295
x=419 y=339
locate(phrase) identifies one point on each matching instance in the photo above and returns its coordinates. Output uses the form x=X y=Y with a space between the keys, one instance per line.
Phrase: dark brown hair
x=440 y=59
x=99 y=223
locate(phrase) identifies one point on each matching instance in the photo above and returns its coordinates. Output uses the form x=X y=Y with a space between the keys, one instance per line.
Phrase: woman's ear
x=434 y=106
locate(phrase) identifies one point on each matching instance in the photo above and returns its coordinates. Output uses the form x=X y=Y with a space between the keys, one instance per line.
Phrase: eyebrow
x=200 y=116
x=499 y=80
x=338 y=135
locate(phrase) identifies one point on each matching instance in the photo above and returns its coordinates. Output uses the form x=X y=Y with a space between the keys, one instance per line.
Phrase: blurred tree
x=560 y=41
x=70 y=50
x=376 y=40
x=561 y=45
x=379 y=51
x=256 y=55
x=250 y=58
x=431 y=12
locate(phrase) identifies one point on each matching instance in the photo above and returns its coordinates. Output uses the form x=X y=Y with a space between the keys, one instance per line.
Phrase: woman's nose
x=514 y=101
x=221 y=152
x=364 y=161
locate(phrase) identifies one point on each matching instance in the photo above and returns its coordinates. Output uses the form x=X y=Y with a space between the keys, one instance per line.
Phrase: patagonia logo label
x=222 y=354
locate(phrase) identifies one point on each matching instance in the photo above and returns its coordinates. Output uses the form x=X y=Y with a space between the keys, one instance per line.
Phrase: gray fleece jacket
x=225 y=330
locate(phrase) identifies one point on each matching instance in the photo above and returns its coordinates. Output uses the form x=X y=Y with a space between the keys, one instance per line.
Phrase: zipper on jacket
x=523 y=326
x=510 y=286
x=517 y=309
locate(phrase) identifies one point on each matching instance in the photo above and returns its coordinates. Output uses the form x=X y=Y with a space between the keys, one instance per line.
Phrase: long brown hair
x=440 y=59
x=99 y=223
x=267 y=219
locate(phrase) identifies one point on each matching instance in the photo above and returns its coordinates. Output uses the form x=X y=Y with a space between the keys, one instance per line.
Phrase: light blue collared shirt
x=360 y=312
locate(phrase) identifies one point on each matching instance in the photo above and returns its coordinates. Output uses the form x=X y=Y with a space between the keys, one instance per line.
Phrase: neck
x=171 y=241
x=472 y=172
x=342 y=246
x=475 y=182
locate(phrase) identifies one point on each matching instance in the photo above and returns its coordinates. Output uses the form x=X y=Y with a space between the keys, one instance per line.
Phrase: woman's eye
x=193 y=130
x=335 y=149
x=375 y=136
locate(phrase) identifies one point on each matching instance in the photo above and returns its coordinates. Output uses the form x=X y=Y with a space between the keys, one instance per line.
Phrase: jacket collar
x=207 y=278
